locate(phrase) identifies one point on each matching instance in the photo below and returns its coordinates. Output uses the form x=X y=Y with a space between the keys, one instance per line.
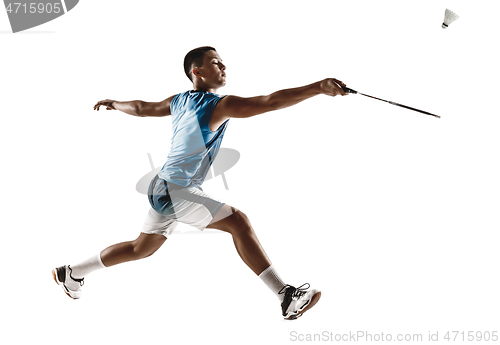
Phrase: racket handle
x=346 y=89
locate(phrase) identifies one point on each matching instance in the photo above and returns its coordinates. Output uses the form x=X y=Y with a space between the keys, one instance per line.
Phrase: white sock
x=83 y=268
x=271 y=278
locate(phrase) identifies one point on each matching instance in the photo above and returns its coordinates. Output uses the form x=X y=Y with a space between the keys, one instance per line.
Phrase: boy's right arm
x=138 y=108
x=241 y=107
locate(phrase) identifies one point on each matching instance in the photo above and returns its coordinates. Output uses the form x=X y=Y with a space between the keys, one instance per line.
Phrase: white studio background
x=391 y=213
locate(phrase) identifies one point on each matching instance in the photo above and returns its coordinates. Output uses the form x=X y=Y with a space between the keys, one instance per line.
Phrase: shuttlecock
x=449 y=17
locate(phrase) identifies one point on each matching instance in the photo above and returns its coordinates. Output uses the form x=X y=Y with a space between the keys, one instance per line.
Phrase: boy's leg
x=235 y=222
x=142 y=247
x=155 y=230
x=70 y=277
x=294 y=301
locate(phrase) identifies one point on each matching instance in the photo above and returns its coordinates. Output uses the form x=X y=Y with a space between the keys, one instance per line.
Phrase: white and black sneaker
x=71 y=286
x=298 y=300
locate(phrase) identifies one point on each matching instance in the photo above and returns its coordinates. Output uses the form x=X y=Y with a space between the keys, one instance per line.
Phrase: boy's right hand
x=332 y=87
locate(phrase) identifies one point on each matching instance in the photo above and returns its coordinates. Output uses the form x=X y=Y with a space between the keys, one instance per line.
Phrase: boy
x=199 y=120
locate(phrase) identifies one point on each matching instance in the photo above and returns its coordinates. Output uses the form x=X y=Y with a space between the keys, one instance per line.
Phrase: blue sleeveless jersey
x=194 y=146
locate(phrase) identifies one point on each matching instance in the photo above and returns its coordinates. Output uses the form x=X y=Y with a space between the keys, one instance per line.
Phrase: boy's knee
x=140 y=252
x=142 y=249
x=242 y=223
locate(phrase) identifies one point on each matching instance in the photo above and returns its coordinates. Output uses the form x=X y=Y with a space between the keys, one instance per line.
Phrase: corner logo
x=28 y=14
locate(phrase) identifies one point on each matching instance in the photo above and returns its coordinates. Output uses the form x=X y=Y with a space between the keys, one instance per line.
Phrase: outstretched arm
x=240 y=107
x=138 y=108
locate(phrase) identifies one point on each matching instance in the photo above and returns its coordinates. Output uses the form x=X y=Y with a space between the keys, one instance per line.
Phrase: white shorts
x=171 y=204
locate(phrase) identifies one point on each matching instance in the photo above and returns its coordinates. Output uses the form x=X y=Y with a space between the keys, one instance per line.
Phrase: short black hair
x=195 y=58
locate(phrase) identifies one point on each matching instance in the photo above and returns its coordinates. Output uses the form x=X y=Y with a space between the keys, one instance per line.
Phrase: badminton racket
x=346 y=89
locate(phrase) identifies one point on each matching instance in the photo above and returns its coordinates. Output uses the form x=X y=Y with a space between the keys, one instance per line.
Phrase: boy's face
x=213 y=70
